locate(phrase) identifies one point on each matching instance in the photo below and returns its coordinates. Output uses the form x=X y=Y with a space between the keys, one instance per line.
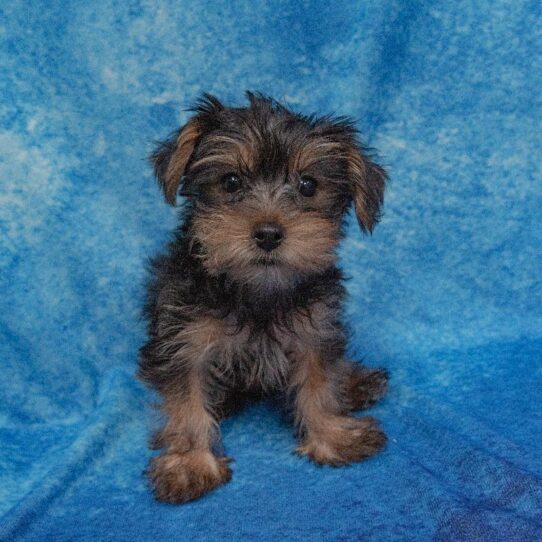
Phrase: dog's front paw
x=178 y=478
x=345 y=440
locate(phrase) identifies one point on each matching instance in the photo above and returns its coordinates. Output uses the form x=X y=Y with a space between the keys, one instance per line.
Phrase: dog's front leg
x=188 y=468
x=328 y=436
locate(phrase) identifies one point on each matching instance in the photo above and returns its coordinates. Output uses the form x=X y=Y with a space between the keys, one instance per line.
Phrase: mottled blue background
x=447 y=293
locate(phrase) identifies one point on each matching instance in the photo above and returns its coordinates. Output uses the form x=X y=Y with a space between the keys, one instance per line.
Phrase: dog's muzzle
x=268 y=235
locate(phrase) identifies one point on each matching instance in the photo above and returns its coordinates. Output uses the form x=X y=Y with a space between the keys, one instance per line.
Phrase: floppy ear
x=368 y=181
x=171 y=157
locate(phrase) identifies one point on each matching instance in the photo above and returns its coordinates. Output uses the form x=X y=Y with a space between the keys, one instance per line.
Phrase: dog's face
x=269 y=188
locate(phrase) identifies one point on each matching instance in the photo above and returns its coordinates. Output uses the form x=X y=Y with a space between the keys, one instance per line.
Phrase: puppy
x=247 y=298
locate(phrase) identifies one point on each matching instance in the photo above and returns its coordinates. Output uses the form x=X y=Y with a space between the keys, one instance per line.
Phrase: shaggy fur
x=228 y=317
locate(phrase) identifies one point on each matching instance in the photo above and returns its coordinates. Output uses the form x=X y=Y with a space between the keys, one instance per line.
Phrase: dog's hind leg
x=328 y=434
x=363 y=386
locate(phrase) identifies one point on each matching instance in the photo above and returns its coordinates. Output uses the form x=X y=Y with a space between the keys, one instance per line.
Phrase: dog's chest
x=249 y=357
x=254 y=354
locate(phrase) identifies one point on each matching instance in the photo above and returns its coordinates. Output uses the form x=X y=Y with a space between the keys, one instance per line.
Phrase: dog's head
x=269 y=187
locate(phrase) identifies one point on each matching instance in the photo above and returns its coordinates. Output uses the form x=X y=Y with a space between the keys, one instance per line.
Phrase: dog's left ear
x=368 y=181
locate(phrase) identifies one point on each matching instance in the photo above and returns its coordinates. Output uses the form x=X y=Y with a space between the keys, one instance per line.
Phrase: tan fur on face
x=310 y=242
x=226 y=238
x=236 y=152
x=313 y=151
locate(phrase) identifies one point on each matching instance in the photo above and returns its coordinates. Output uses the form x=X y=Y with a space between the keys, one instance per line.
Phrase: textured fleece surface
x=447 y=293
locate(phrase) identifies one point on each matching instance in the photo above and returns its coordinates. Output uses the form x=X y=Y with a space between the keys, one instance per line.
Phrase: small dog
x=248 y=297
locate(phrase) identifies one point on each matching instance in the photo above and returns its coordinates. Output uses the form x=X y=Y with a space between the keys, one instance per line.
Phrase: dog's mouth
x=266 y=260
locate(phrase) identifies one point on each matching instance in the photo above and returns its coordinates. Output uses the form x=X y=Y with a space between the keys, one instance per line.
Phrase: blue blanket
x=447 y=293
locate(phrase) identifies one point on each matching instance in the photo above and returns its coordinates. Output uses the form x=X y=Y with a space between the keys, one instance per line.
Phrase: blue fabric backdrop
x=446 y=294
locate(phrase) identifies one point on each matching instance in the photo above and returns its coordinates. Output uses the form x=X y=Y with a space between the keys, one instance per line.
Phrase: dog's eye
x=307 y=186
x=231 y=182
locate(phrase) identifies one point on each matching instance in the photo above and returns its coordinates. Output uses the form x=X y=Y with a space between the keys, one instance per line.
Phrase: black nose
x=268 y=235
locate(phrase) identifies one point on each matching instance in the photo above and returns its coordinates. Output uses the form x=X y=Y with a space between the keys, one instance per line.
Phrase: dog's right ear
x=170 y=159
x=172 y=156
